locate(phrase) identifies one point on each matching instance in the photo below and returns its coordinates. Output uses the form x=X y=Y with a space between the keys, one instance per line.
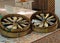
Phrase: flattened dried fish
x=50 y=17
x=6 y=23
x=6 y=20
x=46 y=24
x=46 y=15
x=41 y=25
x=14 y=27
x=9 y=27
x=42 y=15
x=51 y=23
x=9 y=19
x=14 y=18
x=20 y=27
x=39 y=17
x=35 y=21
x=20 y=18
x=24 y=25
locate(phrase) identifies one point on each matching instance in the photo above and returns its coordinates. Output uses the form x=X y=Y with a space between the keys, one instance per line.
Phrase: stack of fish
x=44 y=20
x=11 y=23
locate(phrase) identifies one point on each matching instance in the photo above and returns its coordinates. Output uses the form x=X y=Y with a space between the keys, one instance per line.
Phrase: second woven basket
x=44 y=22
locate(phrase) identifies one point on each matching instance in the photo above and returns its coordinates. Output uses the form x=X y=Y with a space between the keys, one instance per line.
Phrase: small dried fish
x=46 y=15
x=46 y=24
x=6 y=20
x=20 y=18
x=42 y=15
x=24 y=25
x=39 y=17
x=6 y=23
x=9 y=19
x=24 y=20
x=9 y=27
x=51 y=23
x=14 y=27
x=20 y=27
x=14 y=18
x=35 y=21
x=41 y=25
x=50 y=17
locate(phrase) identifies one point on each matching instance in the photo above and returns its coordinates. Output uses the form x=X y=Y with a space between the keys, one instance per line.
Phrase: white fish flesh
x=35 y=21
x=46 y=15
x=41 y=25
x=20 y=18
x=9 y=27
x=46 y=24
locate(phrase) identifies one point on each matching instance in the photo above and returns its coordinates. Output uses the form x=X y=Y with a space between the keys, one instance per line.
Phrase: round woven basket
x=43 y=27
x=14 y=25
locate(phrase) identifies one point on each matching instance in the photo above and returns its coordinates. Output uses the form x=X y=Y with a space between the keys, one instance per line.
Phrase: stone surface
x=53 y=37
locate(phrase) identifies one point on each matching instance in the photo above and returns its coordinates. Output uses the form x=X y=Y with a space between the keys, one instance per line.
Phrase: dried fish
x=42 y=15
x=50 y=17
x=9 y=27
x=39 y=17
x=15 y=23
x=41 y=25
x=20 y=18
x=47 y=18
x=35 y=21
x=51 y=23
x=14 y=27
x=14 y=18
x=10 y=19
x=6 y=20
x=24 y=20
x=46 y=15
x=24 y=25
x=20 y=27
x=45 y=24
x=6 y=23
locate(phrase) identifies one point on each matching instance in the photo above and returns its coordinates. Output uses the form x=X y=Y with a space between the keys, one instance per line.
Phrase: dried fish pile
x=15 y=23
x=43 y=21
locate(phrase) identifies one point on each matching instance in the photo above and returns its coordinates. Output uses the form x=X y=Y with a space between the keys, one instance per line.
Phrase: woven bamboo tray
x=15 y=32
x=44 y=29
